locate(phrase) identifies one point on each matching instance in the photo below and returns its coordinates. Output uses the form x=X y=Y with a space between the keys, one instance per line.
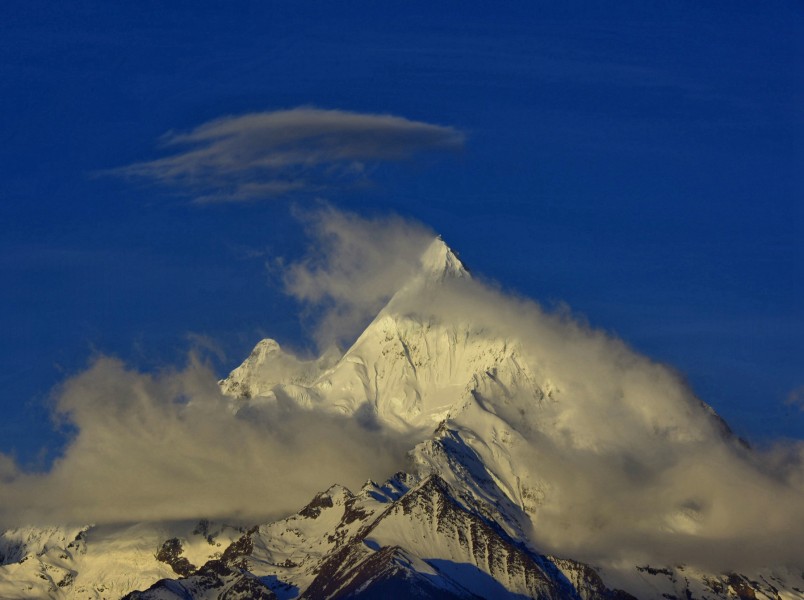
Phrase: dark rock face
x=224 y=579
x=313 y=509
x=171 y=553
x=235 y=554
x=386 y=574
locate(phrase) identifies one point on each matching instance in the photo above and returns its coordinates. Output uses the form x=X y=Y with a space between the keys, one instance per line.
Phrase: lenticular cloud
x=265 y=155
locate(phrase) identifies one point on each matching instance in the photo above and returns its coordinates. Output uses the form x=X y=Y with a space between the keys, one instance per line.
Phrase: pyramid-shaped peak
x=439 y=261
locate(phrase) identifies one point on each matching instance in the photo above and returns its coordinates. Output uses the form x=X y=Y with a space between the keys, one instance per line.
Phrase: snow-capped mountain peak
x=439 y=261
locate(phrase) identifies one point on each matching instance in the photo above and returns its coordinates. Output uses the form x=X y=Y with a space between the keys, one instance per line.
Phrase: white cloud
x=354 y=266
x=272 y=154
x=167 y=446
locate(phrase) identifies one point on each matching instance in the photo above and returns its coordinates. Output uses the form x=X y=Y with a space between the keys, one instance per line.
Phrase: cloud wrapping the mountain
x=169 y=446
x=627 y=462
x=354 y=266
x=271 y=154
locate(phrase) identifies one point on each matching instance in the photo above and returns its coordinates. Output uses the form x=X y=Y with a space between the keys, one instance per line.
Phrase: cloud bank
x=272 y=154
x=169 y=446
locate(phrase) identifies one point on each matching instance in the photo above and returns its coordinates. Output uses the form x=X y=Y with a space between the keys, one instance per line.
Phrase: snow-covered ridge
x=409 y=536
x=269 y=365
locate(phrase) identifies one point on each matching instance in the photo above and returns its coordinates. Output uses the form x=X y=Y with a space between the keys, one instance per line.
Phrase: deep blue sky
x=640 y=161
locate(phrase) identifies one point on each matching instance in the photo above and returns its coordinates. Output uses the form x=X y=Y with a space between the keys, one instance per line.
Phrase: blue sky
x=642 y=163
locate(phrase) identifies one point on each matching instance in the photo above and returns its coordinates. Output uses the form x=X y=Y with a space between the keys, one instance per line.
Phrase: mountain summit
x=439 y=261
x=545 y=460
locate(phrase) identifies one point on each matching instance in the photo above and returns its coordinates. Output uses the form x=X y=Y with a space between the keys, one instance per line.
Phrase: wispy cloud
x=796 y=398
x=271 y=154
x=355 y=265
